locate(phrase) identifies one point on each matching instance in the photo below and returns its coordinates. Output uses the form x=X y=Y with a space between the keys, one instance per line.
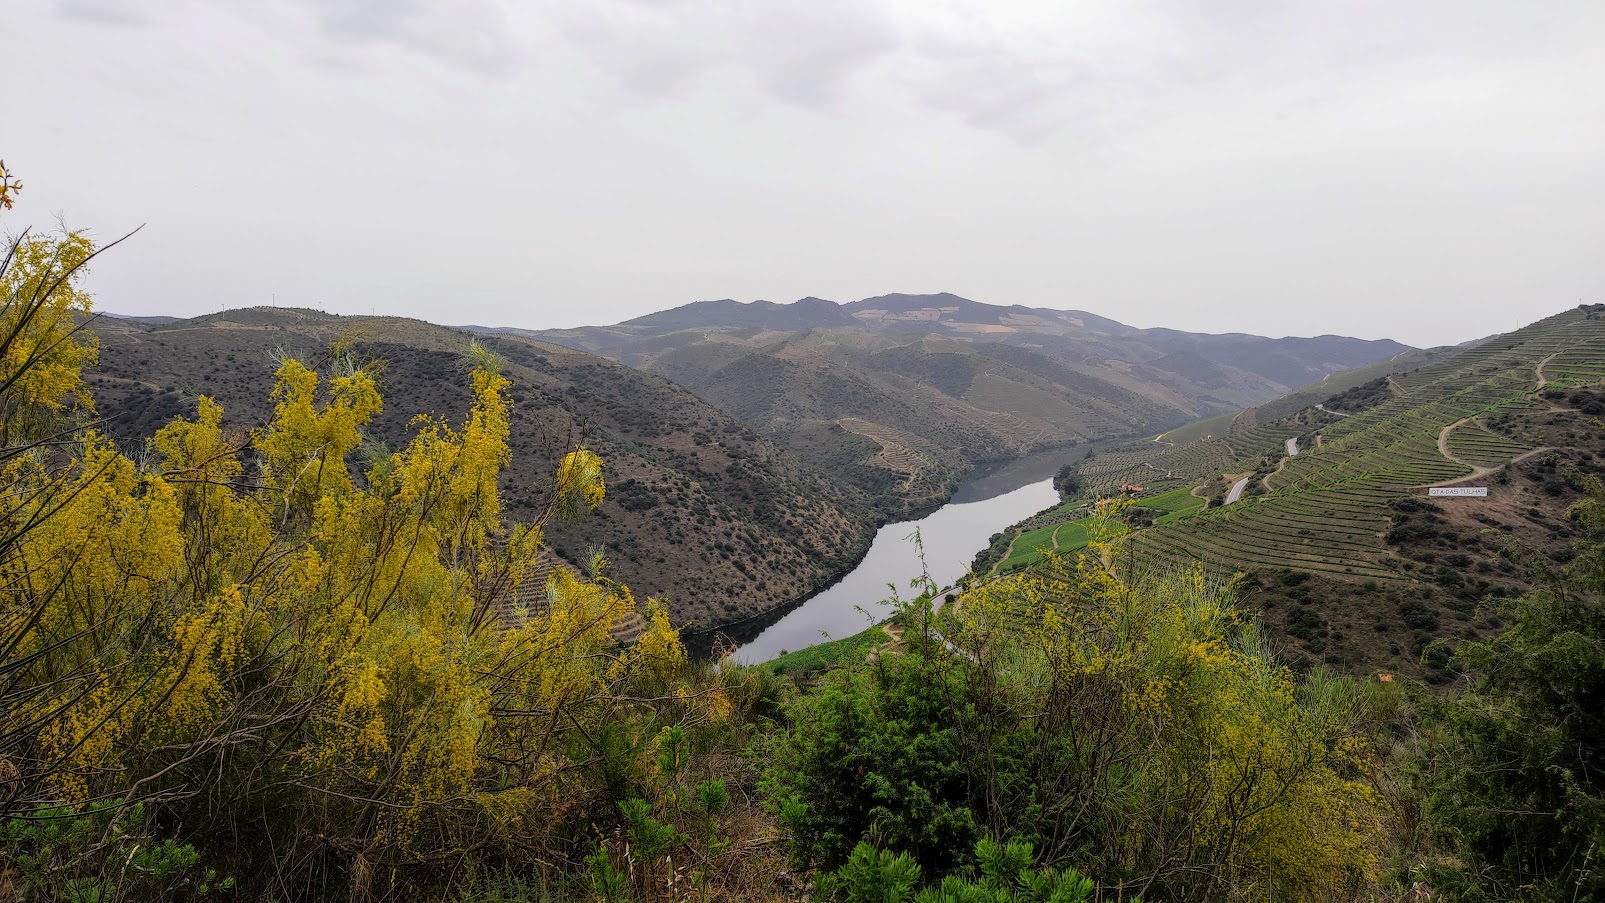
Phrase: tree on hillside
x=1517 y=771
x=1068 y=480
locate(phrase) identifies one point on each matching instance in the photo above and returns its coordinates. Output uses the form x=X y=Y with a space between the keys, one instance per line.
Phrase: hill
x=700 y=510
x=1328 y=389
x=1327 y=506
x=762 y=482
x=903 y=394
x=1073 y=334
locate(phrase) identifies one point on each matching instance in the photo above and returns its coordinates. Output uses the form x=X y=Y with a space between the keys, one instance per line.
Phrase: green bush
x=1514 y=778
x=875 y=750
x=100 y=855
x=1003 y=874
x=1128 y=726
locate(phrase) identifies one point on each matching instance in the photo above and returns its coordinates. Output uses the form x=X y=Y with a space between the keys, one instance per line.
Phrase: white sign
x=1480 y=492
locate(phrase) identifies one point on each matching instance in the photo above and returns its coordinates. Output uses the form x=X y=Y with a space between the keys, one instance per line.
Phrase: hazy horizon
x=1430 y=173
x=471 y=323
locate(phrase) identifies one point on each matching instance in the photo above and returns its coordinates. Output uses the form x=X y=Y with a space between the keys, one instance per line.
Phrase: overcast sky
x=1426 y=171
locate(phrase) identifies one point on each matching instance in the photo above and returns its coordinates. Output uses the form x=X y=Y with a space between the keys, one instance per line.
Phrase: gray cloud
x=475 y=35
x=798 y=51
x=1432 y=170
x=104 y=12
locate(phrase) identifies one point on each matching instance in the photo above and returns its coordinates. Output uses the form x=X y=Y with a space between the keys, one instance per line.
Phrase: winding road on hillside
x=1237 y=490
x=1443 y=449
x=1539 y=371
x=1477 y=471
x=1292 y=450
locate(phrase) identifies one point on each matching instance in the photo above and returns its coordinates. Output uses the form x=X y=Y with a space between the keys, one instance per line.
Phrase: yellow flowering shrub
x=247 y=626
x=1209 y=767
x=42 y=351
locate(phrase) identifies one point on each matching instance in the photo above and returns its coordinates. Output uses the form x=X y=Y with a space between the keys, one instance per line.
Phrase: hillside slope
x=904 y=423
x=1335 y=494
x=700 y=510
x=903 y=394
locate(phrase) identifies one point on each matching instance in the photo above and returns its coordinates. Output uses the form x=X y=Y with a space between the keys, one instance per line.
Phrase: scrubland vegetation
x=286 y=663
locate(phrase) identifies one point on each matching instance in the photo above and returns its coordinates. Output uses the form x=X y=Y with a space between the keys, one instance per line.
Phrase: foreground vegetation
x=287 y=663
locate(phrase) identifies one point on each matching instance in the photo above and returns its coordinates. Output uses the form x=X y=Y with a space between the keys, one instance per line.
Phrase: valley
x=480 y=453
x=762 y=481
x=752 y=450
x=1264 y=573
x=936 y=547
x=901 y=395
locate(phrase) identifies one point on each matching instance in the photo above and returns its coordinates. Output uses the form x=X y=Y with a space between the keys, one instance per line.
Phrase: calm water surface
x=951 y=536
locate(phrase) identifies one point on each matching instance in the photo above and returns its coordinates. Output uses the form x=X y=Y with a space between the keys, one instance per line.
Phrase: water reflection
x=950 y=536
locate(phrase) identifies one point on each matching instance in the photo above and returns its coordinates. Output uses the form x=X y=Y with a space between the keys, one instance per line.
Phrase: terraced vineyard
x=1061 y=539
x=1577 y=365
x=1172 y=503
x=1326 y=510
x=1474 y=443
x=1066 y=536
x=1153 y=465
x=1270 y=439
x=896 y=453
x=1325 y=531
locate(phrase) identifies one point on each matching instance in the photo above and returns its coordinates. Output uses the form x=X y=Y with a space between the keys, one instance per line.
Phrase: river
x=951 y=536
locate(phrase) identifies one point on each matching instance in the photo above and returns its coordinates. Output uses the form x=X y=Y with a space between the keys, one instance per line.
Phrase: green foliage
x=1002 y=874
x=871 y=876
x=1360 y=398
x=675 y=822
x=875 y=751
x=608 y=883
x=102 y=854
x=1067 y=480
x=1128 y=725
x=830 y=654
x=1514 y=775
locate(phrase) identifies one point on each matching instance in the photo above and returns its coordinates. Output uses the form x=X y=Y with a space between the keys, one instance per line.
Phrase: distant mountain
x=700 y=510
x=899 y=311
x=149 y=321
x=1073 y=334
x=902 y=393
x=1290 y=362
x=798 y=316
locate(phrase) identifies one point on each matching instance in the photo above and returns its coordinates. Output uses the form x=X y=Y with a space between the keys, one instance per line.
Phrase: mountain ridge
x=960 y=318
x=773 y=453
x=939 y=383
